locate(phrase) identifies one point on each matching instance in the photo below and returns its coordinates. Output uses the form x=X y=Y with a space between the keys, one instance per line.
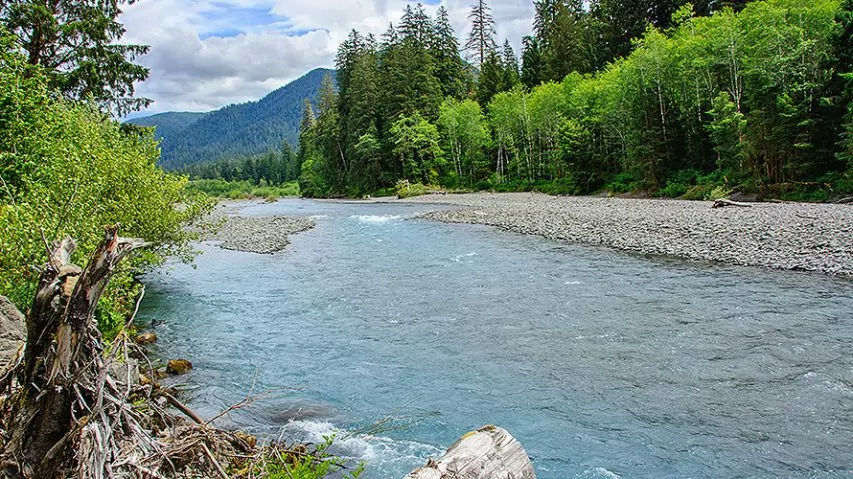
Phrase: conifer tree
x=76 y=43
x=532 y=63
x=481 y=39
x=449 y=68
x=510 y=77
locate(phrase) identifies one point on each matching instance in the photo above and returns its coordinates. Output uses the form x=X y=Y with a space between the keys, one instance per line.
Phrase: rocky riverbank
x=791 y=236
x=260 y=234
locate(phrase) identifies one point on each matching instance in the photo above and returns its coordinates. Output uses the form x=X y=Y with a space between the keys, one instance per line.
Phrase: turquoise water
x=602 y=364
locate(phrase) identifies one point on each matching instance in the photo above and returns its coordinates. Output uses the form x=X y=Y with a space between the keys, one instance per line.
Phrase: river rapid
x=603 y=364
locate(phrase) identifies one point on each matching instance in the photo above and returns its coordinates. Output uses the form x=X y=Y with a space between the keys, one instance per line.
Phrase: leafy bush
x=405 y=189
x=315 y=465
x=68 y=170
x=623 y=183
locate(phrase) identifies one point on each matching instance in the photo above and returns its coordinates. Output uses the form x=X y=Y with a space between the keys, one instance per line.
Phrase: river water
x=602 y=364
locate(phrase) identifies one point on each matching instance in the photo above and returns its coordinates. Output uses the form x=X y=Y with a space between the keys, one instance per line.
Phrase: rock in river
x=179 y=366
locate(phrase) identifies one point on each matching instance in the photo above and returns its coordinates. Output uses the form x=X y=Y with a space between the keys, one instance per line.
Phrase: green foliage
x=755 y=97
x=244 y=189
x=68 y=170
x=416 y=145
x=74 y=43
x=623 y=183
x=318 y=464
x=404 y=189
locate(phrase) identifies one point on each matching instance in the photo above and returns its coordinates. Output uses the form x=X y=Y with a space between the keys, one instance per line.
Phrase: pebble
x=790 y=236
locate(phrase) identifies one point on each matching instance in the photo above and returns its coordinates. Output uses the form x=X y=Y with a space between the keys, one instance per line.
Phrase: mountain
x=236 y=130
x=169 y=124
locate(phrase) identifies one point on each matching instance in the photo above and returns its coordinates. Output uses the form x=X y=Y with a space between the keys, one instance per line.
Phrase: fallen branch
x=723 y=202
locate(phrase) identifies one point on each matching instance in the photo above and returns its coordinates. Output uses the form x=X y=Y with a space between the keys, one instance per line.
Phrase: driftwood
x=67 y=410
x=845 y=201
x=489 y=453
x=64 y=389
x=723 y=202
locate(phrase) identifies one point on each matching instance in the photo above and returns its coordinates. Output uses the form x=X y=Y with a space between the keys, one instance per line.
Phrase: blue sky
x=206 y=54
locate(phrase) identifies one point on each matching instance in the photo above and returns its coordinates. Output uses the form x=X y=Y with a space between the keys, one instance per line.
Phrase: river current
x=401 y=334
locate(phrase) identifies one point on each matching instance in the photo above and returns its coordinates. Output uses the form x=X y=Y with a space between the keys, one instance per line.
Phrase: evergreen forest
x=660 y=97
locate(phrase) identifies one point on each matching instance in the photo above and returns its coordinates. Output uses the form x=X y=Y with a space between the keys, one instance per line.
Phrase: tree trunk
x=62 y=375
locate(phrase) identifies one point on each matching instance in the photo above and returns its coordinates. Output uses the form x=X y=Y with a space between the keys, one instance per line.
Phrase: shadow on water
x=603 y=364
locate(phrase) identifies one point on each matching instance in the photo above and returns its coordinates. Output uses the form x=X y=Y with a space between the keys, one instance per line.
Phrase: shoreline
x=253 y=234
x=786 y=236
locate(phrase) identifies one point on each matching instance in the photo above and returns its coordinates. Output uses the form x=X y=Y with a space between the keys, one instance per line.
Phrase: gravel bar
x=260 y=234
x=790 y=236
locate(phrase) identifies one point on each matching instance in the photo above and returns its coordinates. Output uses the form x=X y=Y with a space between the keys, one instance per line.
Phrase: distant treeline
x=661 y=96
x=271 y=168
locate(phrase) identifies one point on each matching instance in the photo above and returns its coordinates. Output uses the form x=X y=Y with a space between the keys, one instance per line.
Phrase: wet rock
x=488 y=453
x=145 y=338
x=249 y=439
x=178 y=366
x=12 y=336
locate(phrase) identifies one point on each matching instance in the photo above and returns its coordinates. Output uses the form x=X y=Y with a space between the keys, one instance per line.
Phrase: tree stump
x=65 y=392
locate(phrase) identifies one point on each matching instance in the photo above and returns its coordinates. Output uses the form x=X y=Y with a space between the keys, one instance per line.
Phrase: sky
x=206 y=54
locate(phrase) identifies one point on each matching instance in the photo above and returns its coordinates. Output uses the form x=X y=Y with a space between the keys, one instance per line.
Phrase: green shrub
x=623 y=183
x=405 y=189
x=66 y=169
x=318 y=464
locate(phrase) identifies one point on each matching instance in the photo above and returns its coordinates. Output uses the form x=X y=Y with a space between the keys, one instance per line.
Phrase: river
x=601 y=363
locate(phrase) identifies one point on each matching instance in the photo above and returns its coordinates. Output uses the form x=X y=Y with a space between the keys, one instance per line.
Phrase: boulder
x=178 y=366
x=145 y=338
x=488 y=453
x=12 y=336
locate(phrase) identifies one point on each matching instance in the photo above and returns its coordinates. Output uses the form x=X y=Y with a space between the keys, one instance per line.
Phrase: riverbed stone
x=179 y=366
x=792 y=236
x=12 y=336
x=145 y=338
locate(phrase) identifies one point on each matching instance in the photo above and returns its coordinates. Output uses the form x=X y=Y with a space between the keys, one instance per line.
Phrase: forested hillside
x=169 y=124
x=242 y=130
x=659 y=96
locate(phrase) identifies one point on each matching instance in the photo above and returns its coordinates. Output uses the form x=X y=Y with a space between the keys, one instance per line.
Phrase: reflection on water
x=602 y=364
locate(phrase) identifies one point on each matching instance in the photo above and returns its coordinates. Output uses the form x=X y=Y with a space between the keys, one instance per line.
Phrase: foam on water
x=377 y=219
x=378 y=452
x=599 y=473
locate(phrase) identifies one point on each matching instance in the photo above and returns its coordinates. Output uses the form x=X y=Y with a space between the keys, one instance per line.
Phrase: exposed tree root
x=70 y=408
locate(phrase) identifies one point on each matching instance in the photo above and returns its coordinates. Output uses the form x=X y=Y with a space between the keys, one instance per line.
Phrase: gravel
x=259 y=234
x=790 y=236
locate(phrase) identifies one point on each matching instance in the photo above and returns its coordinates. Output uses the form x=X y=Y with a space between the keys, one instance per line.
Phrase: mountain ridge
x=235 y=130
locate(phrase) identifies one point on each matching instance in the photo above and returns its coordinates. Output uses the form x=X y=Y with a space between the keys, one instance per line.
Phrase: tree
x=416 y=145
x=510 y=77
x=465 y=134
x=75 y=42
x=532 y=63
x=449 y=67
x=481 y=39
x=491 y=81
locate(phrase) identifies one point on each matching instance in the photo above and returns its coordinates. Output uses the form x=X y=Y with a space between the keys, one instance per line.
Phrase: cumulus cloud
x=208 y=53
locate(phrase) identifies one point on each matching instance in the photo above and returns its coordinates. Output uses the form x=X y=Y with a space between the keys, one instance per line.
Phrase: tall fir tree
x=532 y=63
x=481 y=39
x=450 y=69
x=510 y=77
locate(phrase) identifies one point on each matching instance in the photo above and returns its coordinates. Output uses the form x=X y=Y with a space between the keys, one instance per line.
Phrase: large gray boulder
x=12 y=335
x=488 y=453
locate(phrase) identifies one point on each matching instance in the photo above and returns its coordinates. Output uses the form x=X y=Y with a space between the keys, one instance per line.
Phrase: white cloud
x=208 y=53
